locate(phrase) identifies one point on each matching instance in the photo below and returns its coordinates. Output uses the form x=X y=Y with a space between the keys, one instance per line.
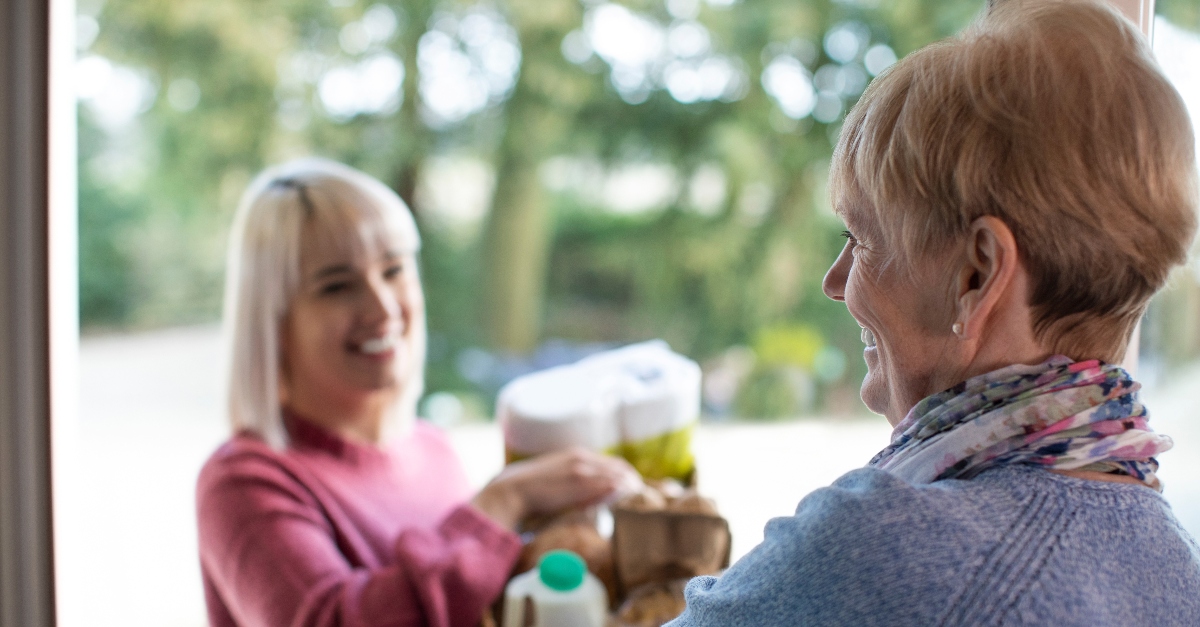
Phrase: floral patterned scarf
x=1059 y=414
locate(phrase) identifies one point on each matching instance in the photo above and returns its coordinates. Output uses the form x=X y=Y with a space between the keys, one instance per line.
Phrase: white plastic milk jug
x=560 y=592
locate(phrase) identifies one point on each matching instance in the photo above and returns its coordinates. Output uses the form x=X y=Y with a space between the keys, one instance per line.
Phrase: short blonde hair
x=1054 y=118
x=263 y=273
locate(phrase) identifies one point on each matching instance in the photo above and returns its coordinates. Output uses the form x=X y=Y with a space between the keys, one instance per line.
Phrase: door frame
x=26 y=514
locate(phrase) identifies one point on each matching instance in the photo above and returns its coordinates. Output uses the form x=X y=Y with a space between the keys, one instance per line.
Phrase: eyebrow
x=341 y=268
x=853 y=219
x=345 y=268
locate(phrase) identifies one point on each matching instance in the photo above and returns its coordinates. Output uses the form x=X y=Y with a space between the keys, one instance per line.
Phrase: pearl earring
x=957 y=328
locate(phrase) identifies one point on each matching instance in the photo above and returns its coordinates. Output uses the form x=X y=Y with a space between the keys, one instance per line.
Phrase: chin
x=874 y=395
x=386 y=383
x=374 y=380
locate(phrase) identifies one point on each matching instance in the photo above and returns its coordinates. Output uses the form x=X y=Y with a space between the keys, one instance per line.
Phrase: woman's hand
x=553 y=482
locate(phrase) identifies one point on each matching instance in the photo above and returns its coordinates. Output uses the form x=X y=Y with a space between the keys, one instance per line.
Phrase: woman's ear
x=989 y=267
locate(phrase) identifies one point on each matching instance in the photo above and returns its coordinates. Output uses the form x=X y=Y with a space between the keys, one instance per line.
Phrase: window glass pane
x=663 y=170
x=1171 y=332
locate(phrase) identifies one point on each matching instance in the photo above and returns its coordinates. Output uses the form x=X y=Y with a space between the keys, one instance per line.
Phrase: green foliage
x=449 y=276
x=156 y=197
x=1185 y=13
x=774 y=394
x=106 y=272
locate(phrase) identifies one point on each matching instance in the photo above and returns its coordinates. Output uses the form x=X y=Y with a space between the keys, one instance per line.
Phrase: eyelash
x=338 y=287
x=334 y=288
x=850 y=237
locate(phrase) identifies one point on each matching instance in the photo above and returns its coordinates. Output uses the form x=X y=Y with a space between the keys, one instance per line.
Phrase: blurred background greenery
x=584 y=173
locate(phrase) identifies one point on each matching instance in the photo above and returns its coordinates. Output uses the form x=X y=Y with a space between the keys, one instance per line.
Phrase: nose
x=834 y=283
x=382 y=306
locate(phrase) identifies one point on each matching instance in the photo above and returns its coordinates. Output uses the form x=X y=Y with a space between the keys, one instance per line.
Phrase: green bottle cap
x=562 y=570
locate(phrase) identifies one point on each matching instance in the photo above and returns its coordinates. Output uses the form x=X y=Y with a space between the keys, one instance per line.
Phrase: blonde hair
x=1054 y=118
x=355 y=212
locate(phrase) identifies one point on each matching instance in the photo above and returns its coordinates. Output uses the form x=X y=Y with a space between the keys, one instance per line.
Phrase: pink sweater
x=331 y=532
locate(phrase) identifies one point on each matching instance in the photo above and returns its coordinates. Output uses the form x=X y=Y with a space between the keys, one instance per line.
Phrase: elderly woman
x=331 y=505
x=1013 y=198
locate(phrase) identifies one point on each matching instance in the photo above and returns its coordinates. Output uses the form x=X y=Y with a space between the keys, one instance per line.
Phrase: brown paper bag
x=658 y=546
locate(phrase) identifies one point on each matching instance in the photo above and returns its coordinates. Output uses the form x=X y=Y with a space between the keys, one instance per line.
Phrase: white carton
x=639 y=401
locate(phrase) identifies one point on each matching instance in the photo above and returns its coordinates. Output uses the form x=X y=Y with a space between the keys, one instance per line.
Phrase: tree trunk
x=417 y=137
x=516 y=243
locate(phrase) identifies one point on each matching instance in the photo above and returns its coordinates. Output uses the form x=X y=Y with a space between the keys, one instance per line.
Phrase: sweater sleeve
x=276 y=559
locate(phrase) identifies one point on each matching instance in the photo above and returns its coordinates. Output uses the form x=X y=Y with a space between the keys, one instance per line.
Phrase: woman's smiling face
x=355 y=328
x=905 y=308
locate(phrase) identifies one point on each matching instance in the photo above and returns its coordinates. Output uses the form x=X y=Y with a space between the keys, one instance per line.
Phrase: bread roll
x=692 y=503
x=648 y=500
x=653 y=604
x=581 y=538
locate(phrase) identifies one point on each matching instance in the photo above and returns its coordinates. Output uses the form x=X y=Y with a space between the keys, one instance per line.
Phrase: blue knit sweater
x=1014 y=546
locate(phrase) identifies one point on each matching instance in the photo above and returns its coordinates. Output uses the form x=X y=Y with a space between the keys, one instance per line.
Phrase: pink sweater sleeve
x=275 y=558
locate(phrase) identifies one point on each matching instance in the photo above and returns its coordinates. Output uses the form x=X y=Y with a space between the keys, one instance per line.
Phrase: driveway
x=151 y=412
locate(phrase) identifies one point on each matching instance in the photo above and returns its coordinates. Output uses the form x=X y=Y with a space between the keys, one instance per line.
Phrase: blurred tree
x=537 y=121
x=1185 y=13
x=728 y=109
x=231 y=87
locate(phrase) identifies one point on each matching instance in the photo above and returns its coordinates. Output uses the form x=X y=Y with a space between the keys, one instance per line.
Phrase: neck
x=1007 y=337
x=994 y=357
x=365 y=422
